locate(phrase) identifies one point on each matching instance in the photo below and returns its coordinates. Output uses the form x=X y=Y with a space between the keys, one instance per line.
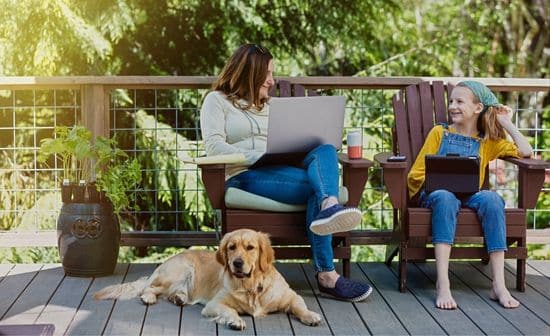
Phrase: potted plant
x=96 y=178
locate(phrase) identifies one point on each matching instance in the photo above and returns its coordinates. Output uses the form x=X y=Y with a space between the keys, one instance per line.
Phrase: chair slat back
x=417 y=109
x=283 y=88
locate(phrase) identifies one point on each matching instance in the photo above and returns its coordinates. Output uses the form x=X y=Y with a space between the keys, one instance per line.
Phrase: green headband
x=482 y=92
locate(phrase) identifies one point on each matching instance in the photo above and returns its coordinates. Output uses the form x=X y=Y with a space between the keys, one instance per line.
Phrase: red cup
x=355 y=145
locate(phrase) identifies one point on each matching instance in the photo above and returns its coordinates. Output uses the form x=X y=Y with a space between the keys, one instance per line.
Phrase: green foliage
x=317 y=37
x=82 y=158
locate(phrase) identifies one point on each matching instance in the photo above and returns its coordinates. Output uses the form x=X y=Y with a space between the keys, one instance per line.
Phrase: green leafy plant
x=99 y=162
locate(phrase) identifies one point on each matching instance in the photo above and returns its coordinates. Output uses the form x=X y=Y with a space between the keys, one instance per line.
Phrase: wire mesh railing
x=155 y=121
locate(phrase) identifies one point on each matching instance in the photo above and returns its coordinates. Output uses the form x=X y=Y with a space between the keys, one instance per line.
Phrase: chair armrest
x=213 y=178
x=530 y=180
x=355 y=173
x=395 y=179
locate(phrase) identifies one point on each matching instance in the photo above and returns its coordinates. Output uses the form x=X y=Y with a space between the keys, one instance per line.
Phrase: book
x=234 y=158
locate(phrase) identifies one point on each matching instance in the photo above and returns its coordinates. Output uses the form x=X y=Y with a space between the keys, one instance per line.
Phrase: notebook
x=458 y=174
x=296 y=125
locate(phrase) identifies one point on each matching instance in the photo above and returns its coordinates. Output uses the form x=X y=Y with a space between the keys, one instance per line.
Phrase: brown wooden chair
x=417 y=109
x=286 y=229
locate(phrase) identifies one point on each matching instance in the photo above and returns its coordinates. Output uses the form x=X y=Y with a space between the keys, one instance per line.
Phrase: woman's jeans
x=316 y=180
x=445 y=206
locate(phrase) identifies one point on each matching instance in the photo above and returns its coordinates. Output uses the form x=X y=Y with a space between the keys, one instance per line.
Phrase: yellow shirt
x=488 y=151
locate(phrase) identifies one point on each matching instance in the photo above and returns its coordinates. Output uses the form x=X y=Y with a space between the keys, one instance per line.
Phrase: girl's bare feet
x=444 y=299
x=504 y=297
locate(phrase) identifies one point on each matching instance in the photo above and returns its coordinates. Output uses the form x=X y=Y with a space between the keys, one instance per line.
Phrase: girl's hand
x=504 y=115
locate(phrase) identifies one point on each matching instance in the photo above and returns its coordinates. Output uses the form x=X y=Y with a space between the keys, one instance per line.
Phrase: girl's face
x=462 y=106
x=269 y=82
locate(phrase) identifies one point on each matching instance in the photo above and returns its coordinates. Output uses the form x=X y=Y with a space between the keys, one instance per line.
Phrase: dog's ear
x=267 y=255
x=221 y=254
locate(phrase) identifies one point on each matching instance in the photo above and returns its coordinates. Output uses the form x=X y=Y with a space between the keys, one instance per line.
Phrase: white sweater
x=227 y=129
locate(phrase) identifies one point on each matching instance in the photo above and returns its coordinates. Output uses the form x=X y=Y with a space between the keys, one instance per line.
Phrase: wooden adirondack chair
x=286 y=229
x=417 y=109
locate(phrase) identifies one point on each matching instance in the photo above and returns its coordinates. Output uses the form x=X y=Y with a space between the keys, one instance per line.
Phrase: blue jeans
x=316 y=180
x=445 y=206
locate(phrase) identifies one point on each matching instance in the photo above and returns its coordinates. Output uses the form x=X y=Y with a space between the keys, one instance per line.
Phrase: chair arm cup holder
x=355 y=173
x=395 y=179
x=531 y=176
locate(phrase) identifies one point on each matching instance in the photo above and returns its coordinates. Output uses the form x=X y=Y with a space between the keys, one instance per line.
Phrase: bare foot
x=444 y=299
x=504 y=297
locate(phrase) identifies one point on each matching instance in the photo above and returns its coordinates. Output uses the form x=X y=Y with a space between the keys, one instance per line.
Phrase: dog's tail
x=123 y=291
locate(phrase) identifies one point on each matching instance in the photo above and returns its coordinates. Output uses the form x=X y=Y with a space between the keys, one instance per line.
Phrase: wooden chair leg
x=520 y=275
x=402 y=268
x=346 y=267
x=520 y=267
x=402 y=275
x=391 y=252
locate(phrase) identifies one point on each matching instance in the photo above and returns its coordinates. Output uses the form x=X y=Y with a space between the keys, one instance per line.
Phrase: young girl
x=478 y=128
x=234 y=120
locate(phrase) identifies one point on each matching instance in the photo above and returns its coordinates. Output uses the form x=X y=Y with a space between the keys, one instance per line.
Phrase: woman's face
x=269 y=82
x=462 y=106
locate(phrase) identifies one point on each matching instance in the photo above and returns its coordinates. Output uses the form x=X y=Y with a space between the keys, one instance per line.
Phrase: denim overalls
x=445 y=206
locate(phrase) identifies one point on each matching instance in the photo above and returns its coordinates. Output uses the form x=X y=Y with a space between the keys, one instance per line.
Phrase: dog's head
x=245 y=251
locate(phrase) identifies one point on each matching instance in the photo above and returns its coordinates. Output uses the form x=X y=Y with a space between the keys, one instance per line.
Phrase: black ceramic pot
x=88 y=236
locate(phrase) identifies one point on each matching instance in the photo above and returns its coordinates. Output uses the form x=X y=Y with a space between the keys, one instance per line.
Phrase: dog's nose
x=238 y=263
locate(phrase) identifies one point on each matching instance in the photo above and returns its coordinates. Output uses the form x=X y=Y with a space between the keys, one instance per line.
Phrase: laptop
x=296 y=125
x=457 y=174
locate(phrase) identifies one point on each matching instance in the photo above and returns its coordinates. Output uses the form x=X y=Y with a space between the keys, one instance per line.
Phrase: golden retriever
x=238 y=278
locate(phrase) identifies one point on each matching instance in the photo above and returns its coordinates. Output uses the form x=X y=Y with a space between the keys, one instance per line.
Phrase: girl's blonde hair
x=487 y=122
x=243 y=76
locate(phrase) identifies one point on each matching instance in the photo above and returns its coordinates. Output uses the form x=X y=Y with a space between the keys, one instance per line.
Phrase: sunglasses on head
x=259 y=48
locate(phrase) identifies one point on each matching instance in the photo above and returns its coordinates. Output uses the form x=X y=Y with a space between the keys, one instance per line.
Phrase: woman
x=234 y=119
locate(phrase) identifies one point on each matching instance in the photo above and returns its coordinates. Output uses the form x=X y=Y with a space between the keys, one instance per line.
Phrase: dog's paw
x=311 y=319
x=179 y=299
x=149 y=298
x=238 y=324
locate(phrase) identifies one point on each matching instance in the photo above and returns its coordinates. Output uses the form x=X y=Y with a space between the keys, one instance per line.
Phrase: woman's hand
x=504 y=115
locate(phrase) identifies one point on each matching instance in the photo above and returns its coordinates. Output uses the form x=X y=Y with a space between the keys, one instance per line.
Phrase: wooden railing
x=94 y=105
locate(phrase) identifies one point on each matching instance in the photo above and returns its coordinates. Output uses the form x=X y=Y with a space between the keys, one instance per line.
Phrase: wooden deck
x=42 y=294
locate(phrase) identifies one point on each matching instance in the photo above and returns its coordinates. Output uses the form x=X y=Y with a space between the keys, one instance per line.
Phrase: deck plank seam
x=317 y=299
x=21 y=292
x=114 y=304
x=458 y=307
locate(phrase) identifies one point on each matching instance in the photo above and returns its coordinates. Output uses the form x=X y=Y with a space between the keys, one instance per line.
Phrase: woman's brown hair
x=487 y=123
x=244 y=74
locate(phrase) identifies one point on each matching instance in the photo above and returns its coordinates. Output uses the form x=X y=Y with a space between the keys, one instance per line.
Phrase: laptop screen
x=457 y=174
x=299 y=124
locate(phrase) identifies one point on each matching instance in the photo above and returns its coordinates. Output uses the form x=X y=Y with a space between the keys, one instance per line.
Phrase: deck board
x=341 y=316
x=471 y=304
x=92 y=315
x=42 y=294
x=64 y=303
x=294 y=275
x=4 y=269
x=453 y=323
x=531 y=299
x=405 y=305
x=377 y=313
x=542 y=266
x=34 y=298
x=535 y=280
x=192 y=323
x=15 y=281
x=521 y=318
x=128 y=315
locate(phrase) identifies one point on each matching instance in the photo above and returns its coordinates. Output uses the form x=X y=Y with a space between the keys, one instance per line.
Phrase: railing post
x=95 y=109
